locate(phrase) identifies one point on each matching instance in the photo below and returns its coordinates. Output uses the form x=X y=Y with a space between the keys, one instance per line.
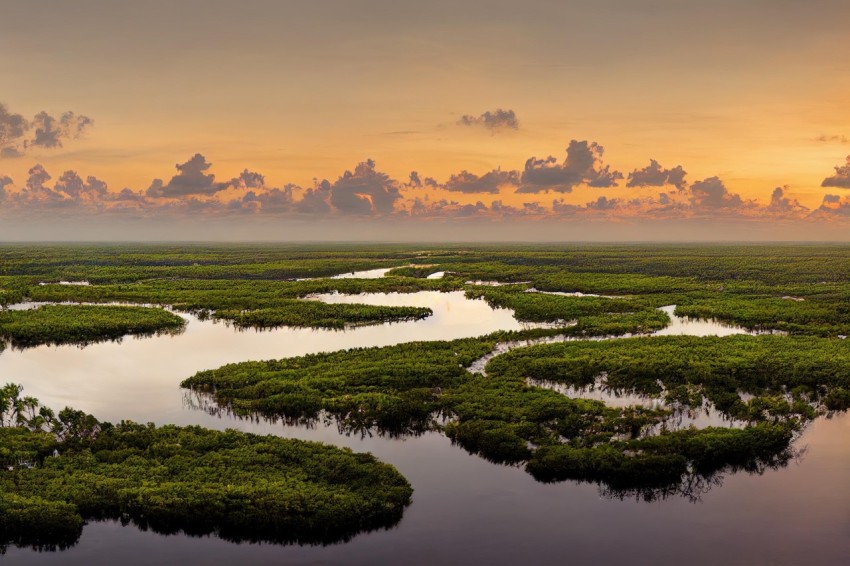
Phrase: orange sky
x=754 y=92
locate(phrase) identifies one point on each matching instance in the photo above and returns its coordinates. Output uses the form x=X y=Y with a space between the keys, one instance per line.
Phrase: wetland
x=621 y=394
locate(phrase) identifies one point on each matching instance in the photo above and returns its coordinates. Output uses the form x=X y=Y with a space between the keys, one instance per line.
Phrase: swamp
x=456 y=403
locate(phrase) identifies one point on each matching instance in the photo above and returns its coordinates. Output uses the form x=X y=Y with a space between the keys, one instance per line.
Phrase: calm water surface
x=465 y=509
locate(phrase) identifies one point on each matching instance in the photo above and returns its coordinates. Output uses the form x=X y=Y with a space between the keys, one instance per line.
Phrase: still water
x=465 y=509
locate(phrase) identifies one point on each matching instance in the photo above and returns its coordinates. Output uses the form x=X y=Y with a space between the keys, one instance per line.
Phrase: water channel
x=465 y=510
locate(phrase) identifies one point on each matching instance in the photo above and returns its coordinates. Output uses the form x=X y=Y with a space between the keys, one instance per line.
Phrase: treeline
x=79 y=324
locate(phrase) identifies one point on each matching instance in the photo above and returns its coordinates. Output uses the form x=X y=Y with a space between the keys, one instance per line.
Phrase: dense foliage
x=772 y=385
x=62 y=471
x=406 y=388
x=63 y=324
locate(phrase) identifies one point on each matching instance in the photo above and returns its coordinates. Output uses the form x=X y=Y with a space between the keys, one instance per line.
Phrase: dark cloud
x=711 y=193
x=496 y=120
x=4 y=182
x=560 y=207
x=17 y=134
x=603 y=203
x=129 y=195
x=249 y=180
x=499 y=208
x=654 y=175
x=781 y=204
x=447 y=209
x=316 y=200
x=466 y=182
x=583 y=165
x=833 y=206
x=364 y=191
x=841 y=179
x=36 y=192
x=274 y=200
x=832 y=139
x=191 y=180
x=74 y=187
x=49 y=131
x=13 y=128
x=414 y=180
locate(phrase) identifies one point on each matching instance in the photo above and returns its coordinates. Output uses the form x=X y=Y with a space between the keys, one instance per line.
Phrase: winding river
x=465 y=509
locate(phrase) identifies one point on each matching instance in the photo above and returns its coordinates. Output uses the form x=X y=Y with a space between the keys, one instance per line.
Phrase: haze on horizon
x=339 y=120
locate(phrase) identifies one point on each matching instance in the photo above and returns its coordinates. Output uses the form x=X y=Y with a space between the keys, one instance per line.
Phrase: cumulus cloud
x=832 y=207
x=494 y=121
x=17 y=134
x=49 y=131
x=13 y=127
x=841 y=179
x=711 y=193
x=316 y=200
x=191 y=180
x=603 y=203
x=5 y=181
x=583 y=165
x=364 y=191
x=491 y=182
x=781 y=204
x=367 y=192
x=653 y=175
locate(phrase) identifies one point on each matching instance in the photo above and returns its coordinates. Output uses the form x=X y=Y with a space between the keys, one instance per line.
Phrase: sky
x=399 y=120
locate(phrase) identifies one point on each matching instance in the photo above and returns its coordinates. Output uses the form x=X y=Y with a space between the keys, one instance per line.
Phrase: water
x=465 y=509
x=368 y=274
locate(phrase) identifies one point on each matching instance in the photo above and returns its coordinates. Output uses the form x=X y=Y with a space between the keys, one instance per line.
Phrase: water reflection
x=465 y=508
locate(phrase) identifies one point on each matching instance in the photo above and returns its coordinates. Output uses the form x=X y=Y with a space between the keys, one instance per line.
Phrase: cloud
x=562 y=208
x=603 y=203
x=191 y=180
x=414 y=180
x=364 y=191
x=495 y=121
x=711 y=193
x=654 y=175
x=823 y=138
x=5 y=181
x=781 y=204
x=500 y=209
x=47 y=131
x=72 y=185
x=466 y=182
x=583 y=165
x=841 y=179
x=316 y=200
x=832 y=207
x=273 y=201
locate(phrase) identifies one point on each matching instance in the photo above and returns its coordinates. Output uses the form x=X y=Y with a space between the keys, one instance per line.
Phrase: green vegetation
x=395 y=389
x=60 y=471
x=755 y=286
x=789 y=380
x=322 y=315
x=413 y=387
x=787 y=375
x=63 y=324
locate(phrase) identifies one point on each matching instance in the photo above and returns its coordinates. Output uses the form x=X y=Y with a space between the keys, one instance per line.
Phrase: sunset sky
x=730 y=100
